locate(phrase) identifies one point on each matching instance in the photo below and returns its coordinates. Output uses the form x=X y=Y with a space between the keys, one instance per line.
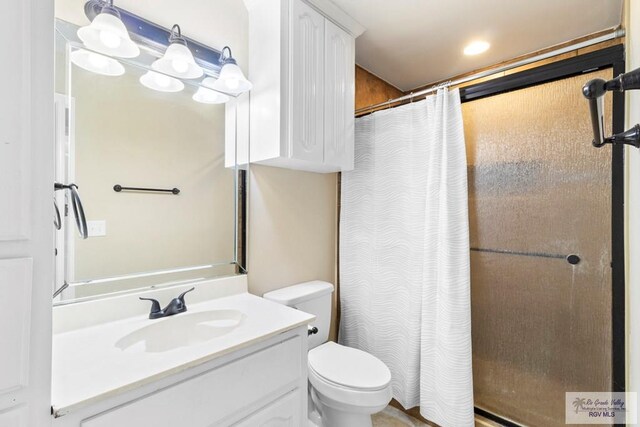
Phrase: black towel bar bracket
x=119 y=188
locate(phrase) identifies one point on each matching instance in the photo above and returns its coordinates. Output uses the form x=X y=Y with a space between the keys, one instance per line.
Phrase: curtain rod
x=613 y=34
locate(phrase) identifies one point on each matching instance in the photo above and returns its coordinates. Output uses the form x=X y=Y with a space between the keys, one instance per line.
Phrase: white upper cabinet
x=302 y=65
x=339 y=96
x=307 y=83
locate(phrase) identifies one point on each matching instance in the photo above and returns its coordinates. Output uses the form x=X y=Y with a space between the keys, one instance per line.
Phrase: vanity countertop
x=88 y=365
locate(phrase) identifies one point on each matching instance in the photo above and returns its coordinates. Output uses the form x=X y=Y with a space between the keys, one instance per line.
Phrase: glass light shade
x=231 y=79
x=178 y=61
x=97 y=63
x=107 y=34
x=208 y=96
x=160 y=82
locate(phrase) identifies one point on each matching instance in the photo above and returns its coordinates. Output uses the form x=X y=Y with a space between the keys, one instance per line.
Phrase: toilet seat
x=349 y=367
x=348 y=375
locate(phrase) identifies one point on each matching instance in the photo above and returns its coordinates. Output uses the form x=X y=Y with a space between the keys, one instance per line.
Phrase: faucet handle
x=181 y=296
x=155 y=305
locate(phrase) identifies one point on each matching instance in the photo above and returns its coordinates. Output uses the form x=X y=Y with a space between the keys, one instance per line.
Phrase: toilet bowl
x=346 y=385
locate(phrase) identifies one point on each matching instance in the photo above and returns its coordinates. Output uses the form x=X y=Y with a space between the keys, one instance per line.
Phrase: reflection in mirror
x=120 y=141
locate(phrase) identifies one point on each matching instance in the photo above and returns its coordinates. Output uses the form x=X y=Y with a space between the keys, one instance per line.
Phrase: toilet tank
x=313 y=298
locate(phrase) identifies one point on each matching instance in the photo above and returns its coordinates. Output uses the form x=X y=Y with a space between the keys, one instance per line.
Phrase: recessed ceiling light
x=476 y=47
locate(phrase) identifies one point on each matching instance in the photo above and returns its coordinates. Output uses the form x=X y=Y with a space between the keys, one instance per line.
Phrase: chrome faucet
x=177 y=305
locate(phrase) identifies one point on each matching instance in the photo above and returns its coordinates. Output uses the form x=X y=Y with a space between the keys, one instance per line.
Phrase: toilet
x=346 y=385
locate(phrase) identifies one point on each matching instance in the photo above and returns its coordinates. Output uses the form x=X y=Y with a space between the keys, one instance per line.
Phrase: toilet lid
x=349 y=367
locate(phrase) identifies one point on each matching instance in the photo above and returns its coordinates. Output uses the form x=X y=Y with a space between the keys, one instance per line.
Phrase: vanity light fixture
x=178 y=60
x=231 y=79
x=209 y=96
x=161 y=82
x=96 y=63
x=477 y=47
x=107 y=34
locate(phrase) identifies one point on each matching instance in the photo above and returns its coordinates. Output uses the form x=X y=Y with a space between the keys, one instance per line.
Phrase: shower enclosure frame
x=610 y=57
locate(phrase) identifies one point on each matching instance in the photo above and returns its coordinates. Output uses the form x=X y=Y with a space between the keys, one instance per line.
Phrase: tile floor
x=393 y=417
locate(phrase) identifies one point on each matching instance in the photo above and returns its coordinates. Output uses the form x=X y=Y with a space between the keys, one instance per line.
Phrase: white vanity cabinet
x=302 y=65
x=262 y=385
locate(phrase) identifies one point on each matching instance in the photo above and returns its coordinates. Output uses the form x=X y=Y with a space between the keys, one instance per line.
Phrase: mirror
x=114 y=133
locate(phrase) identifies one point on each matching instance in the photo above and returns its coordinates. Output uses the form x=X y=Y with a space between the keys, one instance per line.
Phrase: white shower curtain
x=404 y=255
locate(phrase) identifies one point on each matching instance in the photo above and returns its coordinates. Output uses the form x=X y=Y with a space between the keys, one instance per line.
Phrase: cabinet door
x=339 y=80
x=284 y=412
x=214 y=397
x=307 y=81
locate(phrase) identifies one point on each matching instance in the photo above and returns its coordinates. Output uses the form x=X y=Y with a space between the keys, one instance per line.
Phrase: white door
x=26 y=211
x=307 y=83
x=339 y=80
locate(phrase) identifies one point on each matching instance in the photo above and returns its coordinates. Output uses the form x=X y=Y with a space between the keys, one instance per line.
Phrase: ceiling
x=410 y=43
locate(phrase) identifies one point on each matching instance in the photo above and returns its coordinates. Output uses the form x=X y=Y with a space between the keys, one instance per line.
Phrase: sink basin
x=181 y=330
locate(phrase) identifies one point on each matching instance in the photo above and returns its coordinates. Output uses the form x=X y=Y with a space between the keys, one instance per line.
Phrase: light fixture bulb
x=233 y=84
x=231 y=79
x=108 y=35
x=160 y=82
x=477 y=47
x=110 y=39
x=209 y=96
x=96 y=63
x=97 y=60
x=180 y=65
x=178 y=60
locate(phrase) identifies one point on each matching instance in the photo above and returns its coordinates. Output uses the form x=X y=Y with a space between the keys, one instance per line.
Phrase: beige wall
x=632 y=187
x=292 y=228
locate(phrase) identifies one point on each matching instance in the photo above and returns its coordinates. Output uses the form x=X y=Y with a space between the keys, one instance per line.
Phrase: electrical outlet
x=97 y=228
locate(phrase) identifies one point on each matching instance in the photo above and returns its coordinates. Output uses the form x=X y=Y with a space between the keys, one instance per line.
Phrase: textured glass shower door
x=538 y=191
